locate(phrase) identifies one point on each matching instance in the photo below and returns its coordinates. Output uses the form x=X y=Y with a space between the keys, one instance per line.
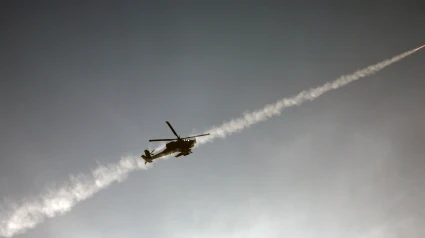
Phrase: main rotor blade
x=175 y=133
x=162 y=140
x=196 y=136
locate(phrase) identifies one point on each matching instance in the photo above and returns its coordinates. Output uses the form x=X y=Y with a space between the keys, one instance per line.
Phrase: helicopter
x=181 y=145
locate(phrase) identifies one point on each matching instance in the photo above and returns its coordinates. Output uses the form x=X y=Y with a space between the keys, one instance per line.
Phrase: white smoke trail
x=57 y=201
x=271 y=110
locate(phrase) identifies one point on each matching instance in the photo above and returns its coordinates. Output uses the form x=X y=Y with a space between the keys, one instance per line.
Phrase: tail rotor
x=148 y=156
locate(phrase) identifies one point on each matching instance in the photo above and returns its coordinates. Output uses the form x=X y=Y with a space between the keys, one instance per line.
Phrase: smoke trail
x=271 y=110
x=57 y=201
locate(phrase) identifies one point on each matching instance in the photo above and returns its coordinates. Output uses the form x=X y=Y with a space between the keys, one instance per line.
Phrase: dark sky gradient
x=86 y=82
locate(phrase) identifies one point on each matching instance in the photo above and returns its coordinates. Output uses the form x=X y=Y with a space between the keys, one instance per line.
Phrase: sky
x=83 y=84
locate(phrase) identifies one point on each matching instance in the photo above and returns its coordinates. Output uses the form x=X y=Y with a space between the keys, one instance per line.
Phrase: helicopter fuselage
x=181 y=145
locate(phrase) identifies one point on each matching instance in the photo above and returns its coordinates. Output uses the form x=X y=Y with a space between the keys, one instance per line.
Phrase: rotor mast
x=175 y=133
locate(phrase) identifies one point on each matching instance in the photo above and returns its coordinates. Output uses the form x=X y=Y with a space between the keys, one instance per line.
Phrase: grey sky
x=90 y=82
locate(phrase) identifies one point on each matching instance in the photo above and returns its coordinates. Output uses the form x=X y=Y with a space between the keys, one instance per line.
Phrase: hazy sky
x=86 y=83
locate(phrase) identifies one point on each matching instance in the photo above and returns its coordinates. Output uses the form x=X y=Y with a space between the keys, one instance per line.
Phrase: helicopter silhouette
x=182 y=145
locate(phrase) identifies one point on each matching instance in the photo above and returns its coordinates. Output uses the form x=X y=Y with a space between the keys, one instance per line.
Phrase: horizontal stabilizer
x=147 y=157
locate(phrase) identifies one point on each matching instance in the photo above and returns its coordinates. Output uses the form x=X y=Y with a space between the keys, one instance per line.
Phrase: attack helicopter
x=182 y=145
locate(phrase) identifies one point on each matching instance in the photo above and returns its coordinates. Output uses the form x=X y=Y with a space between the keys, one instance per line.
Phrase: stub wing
x=184 y=153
